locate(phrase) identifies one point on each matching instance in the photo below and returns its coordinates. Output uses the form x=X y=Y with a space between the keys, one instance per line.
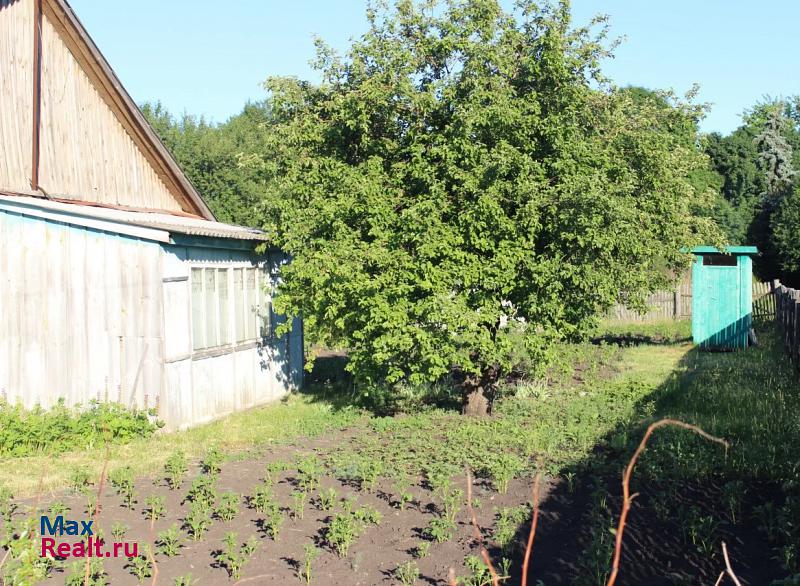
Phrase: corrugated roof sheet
x=165 y=222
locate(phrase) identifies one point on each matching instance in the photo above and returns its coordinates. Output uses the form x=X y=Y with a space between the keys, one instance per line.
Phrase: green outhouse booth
x=722 y=297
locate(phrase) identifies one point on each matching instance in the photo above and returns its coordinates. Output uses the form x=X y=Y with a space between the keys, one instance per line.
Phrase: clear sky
x=209 y=57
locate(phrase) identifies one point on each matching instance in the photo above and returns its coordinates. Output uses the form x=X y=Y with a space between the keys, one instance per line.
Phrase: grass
x=281 y=423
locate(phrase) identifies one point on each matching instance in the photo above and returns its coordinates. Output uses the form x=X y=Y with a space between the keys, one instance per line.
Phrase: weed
x=23 y=564
x=273 y=519
x=155 y=507
x=7 y=505
x=306 y=570
x=228 y=506
x=503 y=468
x=407 y=573
x=234 y=557
x=451 y=504
x=733 y=494
x=272 y=469
x=58 y=508
x=169 y=541
x=480 y=575
x=175 y=469
x=404 y=496
x=508 y=521
x=261 y=497
x=367 y=515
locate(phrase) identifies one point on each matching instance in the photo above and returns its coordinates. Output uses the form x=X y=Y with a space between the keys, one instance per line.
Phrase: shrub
x=61 y=429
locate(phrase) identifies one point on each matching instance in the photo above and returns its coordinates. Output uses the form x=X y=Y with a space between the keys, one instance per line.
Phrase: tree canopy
x=465 y=176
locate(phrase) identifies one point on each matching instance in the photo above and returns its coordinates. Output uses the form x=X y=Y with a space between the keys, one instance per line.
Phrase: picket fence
x=677 y=304
x=787 y=304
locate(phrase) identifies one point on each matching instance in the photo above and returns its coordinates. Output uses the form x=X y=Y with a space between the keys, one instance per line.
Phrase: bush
x=26 y=432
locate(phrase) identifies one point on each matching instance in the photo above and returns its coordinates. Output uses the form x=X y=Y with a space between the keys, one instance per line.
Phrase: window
x=719 y=260
x=210 y=310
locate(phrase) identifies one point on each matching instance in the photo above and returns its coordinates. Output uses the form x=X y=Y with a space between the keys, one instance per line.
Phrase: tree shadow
x=690 y=497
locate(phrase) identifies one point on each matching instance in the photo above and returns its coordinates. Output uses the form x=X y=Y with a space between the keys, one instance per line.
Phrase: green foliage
x=198 y=520
x=169 y=541
x=234 y=557
x=212 y=463
x=141 y=567
x=175 y=469
x=203 y=491
x=262 y=497
x=341 y=532
x=61 y=429
x=155 y=507
x=407 y=573
x=503 y=468
x=228 y=506
x=306 y=570
x=298 y=504
x=461 y=166
x=80 y=478
x=118 y=530
x=185 y=580
x=77 y=574
x=22 y=562
x=211 y=155
x=7 y=504
x=327 y=499
x=122 y=480
x=440 y=530
x=309 y=472
x=508 y=521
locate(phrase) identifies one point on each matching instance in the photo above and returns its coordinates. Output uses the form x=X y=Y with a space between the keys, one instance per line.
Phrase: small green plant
x=298 y=504
x=234 y=557
x=273 y=520
x=733 y=494
x=169 y=541
x=185 y=580
x=451 y=504
x=118 y=531
x=407 y=573
x=368 y=516
x=175 y=469
x=404 y=496
x=141 y=567
x=122 y=480
x=261 y=498
x=7 y=505
x=155 y=508
x=327 y=499
x=203 y=491
x=77 y=575
x=369 y=469
x=440 y=530
x=306 y=570
x=198 y=520
x=341 y=532
x=309 y=472
x=79 y=478
x=480 y=575
x=508 y=521
x=422 y=550
x=58 y=508
x=503 y=468
x=228 y=506
x=272 y=470
x=91 y=503
x=22 y=563
x=212 y=462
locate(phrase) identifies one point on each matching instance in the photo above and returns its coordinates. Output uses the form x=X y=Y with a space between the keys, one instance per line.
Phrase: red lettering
x=117 y=547
x=48 y=543
x=64 y=550
x=134 y=553
x=79 y=550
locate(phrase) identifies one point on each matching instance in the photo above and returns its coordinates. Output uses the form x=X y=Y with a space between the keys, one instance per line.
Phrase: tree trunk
x=475 y=403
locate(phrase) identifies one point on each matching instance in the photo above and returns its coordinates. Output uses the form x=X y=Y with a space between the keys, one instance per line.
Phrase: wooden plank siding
x=84 y=314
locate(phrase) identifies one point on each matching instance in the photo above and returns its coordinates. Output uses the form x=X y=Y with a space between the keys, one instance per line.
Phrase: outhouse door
x=718 y=313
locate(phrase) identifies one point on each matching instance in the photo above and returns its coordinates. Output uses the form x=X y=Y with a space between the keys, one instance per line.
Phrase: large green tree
x=464 y=176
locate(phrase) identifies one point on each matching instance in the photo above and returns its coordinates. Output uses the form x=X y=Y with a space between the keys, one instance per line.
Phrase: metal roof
x=143 y=224
x=728 y=250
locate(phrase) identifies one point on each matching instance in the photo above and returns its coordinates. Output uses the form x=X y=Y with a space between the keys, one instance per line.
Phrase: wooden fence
x=787 y=307
x=677 y=304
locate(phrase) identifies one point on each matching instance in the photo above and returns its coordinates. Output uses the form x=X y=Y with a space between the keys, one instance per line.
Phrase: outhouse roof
x=699 y=250
x=158 y=226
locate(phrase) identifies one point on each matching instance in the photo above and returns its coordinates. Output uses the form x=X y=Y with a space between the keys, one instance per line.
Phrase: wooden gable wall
x=94 y=145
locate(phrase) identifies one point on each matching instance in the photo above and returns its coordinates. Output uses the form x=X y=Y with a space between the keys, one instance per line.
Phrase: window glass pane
x=252 y=303
x=211 y=308
x=265 y=305
x=198 y=304
x=224 y=307
x=239 y=305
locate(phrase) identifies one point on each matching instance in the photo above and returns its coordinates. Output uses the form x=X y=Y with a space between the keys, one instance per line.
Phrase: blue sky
x=209 y=57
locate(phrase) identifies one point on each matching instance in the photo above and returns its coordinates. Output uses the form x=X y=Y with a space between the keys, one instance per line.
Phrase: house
x=116 y=281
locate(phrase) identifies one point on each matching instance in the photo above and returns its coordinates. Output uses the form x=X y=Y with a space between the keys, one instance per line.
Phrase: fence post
x=676 y=303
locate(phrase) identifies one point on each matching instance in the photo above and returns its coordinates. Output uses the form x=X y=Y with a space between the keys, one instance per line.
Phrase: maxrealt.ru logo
x=88 y=546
